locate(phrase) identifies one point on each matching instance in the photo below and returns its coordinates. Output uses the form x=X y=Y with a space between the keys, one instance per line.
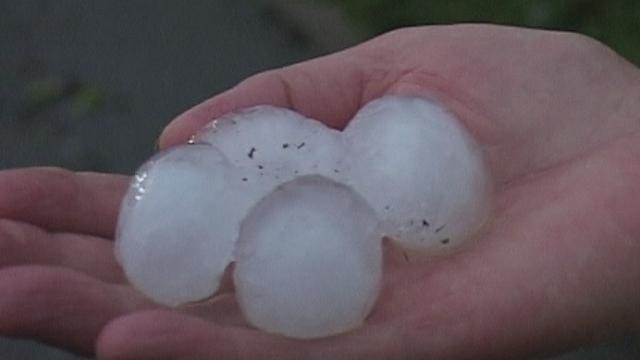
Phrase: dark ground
x=90 y=85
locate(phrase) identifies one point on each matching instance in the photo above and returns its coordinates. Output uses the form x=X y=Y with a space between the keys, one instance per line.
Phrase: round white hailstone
x=272 y=145
x=308 y=259
x=420 y=170
x=177 y=227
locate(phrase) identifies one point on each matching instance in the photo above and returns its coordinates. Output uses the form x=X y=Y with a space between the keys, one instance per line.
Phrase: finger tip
x=120 y=337
x=185 y=125
x=168 y=137
x=148 y=334
x=180 y=129
x=110 y=341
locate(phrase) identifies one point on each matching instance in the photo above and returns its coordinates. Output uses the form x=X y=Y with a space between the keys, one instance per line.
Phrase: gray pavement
x=89 y=85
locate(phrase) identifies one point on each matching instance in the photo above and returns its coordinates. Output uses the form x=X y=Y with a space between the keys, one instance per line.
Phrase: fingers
x=216 y=328
x=59 y=306
x=61 y=200
x=170 y=335
x=330 y=89
x=25 y=244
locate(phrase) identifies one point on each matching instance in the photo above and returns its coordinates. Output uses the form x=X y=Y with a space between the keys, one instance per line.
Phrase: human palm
x=557 y=116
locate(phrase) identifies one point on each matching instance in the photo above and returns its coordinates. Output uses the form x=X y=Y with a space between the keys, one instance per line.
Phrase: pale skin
x=558 y=116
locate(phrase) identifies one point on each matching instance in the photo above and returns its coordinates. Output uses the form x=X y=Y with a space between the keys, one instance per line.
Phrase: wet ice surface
x=314 y=204
x=309 y=260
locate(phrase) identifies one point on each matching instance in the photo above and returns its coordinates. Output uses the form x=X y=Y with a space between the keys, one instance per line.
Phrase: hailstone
x=308 y=259
x=175 y=234
x=421 y=171
x=273 y=145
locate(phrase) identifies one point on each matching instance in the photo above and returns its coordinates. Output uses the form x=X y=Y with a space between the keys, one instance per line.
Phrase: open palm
x=557 y=115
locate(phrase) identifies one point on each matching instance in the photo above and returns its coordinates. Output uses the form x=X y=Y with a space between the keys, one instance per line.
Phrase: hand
x=59 y=281
x=557 y=115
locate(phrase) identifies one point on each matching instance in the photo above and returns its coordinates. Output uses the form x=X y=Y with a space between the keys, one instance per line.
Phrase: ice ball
x=177 y=227
x=272 y=145
x=308 y=259
x=420 y=170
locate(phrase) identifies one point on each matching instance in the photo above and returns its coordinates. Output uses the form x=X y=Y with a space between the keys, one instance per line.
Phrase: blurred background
x=90 y=85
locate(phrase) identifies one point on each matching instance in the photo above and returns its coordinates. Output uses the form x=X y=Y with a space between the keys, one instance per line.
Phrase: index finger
x=61 y=200
x=329 y=89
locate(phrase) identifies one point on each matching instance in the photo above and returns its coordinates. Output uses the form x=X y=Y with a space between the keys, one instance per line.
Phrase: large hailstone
x=176 y=230
x=309 y=259
x=421 y=171
x=272 y=145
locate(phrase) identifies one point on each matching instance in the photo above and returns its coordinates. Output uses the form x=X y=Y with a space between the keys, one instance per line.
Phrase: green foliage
x=614 y=22
x=88 y=98
x=46 y=93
